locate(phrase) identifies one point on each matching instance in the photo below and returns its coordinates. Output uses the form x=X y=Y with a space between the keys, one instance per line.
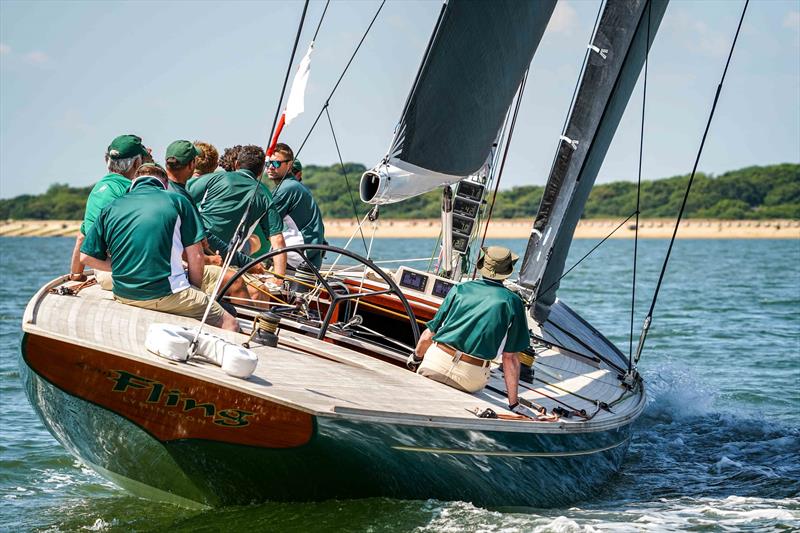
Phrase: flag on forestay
x=295 y=105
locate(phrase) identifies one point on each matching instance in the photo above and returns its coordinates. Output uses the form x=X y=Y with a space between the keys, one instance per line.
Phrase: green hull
x=342 y=459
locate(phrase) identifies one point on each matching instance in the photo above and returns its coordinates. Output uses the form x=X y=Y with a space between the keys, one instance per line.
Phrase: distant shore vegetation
x=758 y=192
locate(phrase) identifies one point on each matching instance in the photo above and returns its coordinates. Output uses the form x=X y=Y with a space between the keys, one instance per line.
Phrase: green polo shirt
x=145 y=233
x=481 y=318
x=105 y=191
x=300 y=213
x=221 y=198
x=214 y=242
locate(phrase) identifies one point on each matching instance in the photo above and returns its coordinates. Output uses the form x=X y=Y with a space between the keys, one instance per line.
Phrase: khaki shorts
x=212 y=272
x=438 y=365
x=104 y=280
x=210 y=275
x=189 y=302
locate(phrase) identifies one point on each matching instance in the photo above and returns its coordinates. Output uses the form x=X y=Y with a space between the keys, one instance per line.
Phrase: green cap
x=297 y=166
x=182 y=152
x=126 y=146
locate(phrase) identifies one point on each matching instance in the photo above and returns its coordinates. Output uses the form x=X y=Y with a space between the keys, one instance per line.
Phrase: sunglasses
x=275 y=163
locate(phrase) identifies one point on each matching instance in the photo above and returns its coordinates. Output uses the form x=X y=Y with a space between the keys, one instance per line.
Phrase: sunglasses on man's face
x=276 y=163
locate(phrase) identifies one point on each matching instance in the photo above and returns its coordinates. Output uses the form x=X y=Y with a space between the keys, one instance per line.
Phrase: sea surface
x=718 y=448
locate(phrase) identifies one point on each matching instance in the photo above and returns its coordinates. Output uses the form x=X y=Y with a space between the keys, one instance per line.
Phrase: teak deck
x=324 y=379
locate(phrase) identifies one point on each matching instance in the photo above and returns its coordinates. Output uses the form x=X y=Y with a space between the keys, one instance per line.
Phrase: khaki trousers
x=440 y=366
x=189 y=302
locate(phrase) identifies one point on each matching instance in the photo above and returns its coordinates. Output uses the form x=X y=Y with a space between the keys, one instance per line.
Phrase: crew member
x=182 y=158
x=123 y=157
x=294 y=203
x=297 y=169
x=207 y=161
x=146 y=232
x=222 y=197
x=477 y=321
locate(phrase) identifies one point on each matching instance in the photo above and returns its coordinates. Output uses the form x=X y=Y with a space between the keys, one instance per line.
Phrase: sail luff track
x=618 y=49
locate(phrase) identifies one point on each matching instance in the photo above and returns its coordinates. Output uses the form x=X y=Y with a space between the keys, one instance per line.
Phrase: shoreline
x=498 y=229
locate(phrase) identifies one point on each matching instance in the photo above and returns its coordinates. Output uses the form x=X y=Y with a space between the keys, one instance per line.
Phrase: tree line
x=758 y=192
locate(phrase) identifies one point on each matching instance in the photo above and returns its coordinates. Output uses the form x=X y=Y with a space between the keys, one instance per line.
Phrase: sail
x=617 y=54
x=472 y=68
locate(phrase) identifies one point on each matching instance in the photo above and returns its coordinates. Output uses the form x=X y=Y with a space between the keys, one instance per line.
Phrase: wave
x=689 y=444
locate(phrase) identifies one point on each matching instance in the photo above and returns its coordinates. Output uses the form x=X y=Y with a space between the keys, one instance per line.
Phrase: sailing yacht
x=331 y=410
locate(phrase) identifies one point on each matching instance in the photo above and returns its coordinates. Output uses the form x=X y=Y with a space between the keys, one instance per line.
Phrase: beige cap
x=496 y=262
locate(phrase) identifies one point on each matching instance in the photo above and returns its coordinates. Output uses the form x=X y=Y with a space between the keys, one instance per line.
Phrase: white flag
x=296 y=102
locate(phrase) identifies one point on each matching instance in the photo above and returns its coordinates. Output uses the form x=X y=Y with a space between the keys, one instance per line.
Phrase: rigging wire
x=336 y=86
x=579 y=261
x=347 y=181
x=639 y=189
x=321 y=18
x=502 y=163
x=648 y=319
x=238 y=235
x=583 y=68
x=289 y=68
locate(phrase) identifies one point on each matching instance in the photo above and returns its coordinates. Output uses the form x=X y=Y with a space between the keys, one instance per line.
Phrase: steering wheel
x=335 y=298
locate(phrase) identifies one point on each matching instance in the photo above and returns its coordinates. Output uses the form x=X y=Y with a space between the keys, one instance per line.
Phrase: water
x=717 y=449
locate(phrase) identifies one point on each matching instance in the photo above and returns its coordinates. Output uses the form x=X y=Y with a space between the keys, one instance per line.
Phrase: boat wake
x=691 y=464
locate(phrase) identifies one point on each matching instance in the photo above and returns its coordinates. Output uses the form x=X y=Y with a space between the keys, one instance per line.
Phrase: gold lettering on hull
x=180 y=403
x=168 y=404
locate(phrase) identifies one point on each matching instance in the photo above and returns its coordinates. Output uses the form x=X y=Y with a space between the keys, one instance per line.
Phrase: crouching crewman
x=477 y=321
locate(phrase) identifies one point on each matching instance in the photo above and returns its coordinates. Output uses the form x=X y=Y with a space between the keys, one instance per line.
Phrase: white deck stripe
x=455 y=451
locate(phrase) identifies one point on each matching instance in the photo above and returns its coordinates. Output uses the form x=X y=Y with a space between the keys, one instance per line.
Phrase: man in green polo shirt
x=222 y=197
x=123 y=156
x=477 y=321
x=294 y=203
x=146 y=233
x=181 y=159
x=297 y=169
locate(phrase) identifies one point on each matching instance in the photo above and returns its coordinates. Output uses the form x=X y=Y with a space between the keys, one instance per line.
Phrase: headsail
x=474 y=64
x=618 y=51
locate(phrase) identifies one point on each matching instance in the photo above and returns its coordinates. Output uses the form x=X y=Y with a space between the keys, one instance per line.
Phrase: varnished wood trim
x=167 y=404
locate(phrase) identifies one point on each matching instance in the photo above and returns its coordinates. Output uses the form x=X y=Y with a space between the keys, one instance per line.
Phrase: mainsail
x=617 y=53
x=471 y=70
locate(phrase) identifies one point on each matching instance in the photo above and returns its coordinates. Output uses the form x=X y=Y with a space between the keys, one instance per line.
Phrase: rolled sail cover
x=472 y=68
x=613 y=66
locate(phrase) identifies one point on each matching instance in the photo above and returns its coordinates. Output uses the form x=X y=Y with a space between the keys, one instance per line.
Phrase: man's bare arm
x=425 y=340
x=76 y=266
x=194 y=257
x=95 y=263
x=511 y=375
x=278 y=261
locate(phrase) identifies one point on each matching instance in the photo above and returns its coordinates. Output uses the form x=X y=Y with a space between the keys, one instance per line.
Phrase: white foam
x=101 y=525
x=562 y=524
x=726 y=464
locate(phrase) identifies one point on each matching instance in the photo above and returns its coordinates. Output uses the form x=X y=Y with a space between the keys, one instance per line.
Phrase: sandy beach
x=498 y=229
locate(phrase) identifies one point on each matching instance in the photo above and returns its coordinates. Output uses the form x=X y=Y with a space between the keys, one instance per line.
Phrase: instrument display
x=460 y=243
x=414 y=280
x=425 y=282
x=441 y=288
x=465 y=207
x=463 y=225
x=473 y=191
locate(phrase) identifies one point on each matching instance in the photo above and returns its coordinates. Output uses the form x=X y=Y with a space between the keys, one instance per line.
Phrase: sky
x=74 y=75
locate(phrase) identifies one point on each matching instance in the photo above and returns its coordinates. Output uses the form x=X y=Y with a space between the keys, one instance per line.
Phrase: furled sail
x=474 y=63
x=617 y=53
